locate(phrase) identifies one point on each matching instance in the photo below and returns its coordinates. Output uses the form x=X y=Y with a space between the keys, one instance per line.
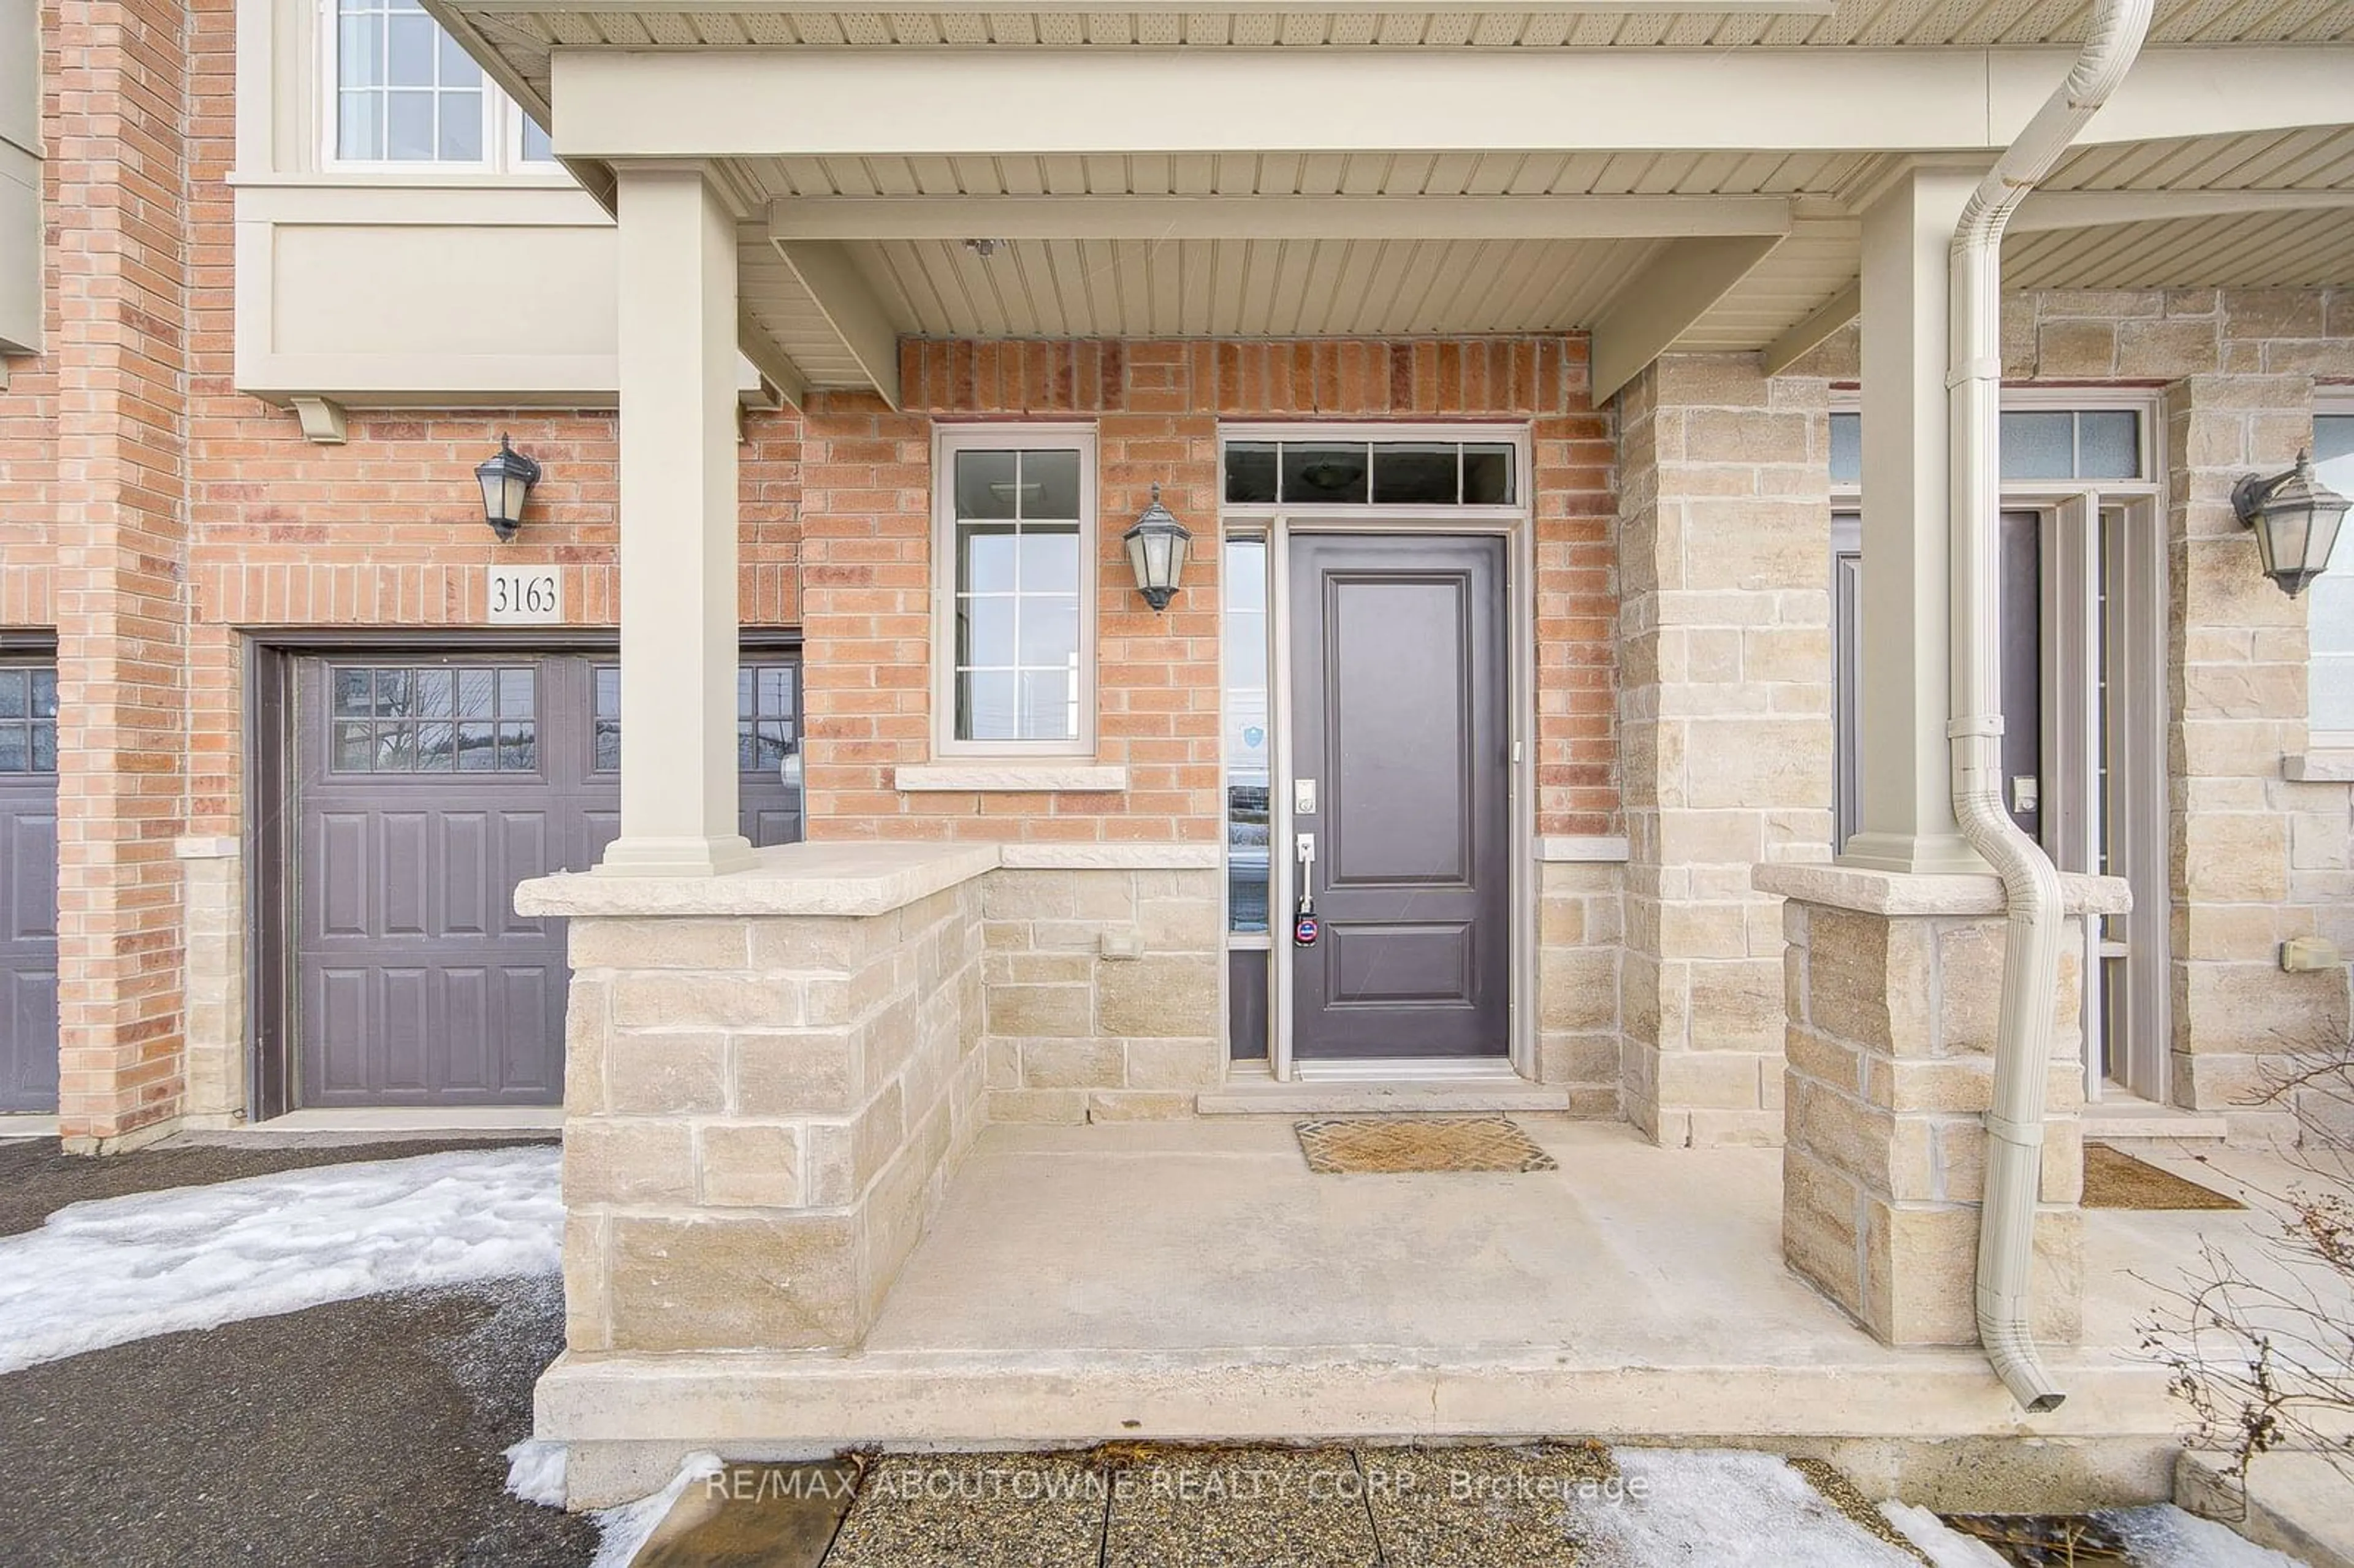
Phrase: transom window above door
x=1369 y=474
x=1015 y=642
x=2035 y=443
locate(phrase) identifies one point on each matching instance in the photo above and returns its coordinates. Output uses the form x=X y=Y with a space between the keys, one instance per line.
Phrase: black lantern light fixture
x=2296 y=517
x=506 y=479
x=1157 y=546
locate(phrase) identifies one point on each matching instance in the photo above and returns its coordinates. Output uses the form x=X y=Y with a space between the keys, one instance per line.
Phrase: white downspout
x=2030 y=969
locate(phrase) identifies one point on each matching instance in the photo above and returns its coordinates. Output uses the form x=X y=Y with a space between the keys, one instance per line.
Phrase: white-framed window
x=400 y=92
x=1015 y=543
x=2329 y=705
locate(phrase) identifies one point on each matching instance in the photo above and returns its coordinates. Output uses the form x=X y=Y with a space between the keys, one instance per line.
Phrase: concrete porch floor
x=1194 y=1280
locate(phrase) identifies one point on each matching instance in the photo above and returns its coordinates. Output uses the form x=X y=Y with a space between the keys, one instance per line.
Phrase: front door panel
x=1399 y=688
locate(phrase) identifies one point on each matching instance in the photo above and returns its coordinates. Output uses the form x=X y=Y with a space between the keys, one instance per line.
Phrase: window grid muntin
x=433 y=718
x=28 y=719
x=1022 y=601
x=456 y=99
x=768 y=715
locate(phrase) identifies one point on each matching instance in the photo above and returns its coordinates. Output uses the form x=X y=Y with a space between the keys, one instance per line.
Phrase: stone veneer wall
x=2256 y=855
x=1580 y=926
x=1725 y=727
x=213 y=895
x=1892 y=986
x=762 y=1113
x=1104 y=988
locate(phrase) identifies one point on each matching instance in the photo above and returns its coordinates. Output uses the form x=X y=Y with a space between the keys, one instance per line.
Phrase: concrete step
x=2125 y=1119
x=1266 y=1097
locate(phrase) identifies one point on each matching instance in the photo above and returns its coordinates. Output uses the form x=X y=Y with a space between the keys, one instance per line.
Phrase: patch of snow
x=623 y=1530
x=1724 y=1508
x=2163 y=1536
x=1943 y=1544
x=118 y=1269
x=535 y=1472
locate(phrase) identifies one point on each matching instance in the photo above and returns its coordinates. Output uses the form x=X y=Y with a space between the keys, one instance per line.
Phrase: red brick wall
x=152 y=514
x=1156 y=406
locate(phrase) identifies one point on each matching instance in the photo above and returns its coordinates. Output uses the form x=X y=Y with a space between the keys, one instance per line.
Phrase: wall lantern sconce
x=506 y=479
x=2296 y=517
x=1157 y=547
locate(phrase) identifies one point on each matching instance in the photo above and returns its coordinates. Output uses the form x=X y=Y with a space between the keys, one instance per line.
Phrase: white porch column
x=678 y=359
x=1907 y=820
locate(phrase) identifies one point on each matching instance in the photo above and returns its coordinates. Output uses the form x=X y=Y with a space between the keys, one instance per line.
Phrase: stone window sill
x=2332 y=766
x=1048 y=778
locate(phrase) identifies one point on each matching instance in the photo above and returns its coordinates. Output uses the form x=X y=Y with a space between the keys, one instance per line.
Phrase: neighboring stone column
x=678 y=493
x=2238 y=646
x=1893 y=988
x=1907 y=818
x=1726 y=728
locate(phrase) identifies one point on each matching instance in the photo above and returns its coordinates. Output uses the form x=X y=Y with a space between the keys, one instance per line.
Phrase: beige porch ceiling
x=1464 y=242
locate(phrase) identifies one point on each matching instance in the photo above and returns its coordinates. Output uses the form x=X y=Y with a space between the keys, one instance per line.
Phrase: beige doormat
x=1409 y=1145
x=2118 y=1181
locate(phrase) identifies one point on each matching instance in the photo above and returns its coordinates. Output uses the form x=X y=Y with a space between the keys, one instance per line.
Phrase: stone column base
x=1893 y=983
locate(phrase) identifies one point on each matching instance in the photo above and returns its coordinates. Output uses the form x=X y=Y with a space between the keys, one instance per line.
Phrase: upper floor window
x=406 y=93
x=2036 y=443
x=2330 y=701
x=1016 y=532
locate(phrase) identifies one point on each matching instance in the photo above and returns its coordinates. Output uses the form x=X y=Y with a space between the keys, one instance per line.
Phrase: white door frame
x=1515 y=526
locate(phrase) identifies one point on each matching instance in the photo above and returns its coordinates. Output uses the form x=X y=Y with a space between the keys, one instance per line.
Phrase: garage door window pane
x=766 y=725
x=396 y=719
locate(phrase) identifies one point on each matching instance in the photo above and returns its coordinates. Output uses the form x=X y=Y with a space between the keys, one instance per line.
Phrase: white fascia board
x=1274 y=217
x=616 y=104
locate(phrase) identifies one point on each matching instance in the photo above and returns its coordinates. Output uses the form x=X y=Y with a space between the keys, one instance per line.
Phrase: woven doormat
x=2116 y=1180
x=1408 y=1145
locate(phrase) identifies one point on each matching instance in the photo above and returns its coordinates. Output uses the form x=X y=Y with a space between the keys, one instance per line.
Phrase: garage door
x=427 y=787
x=28 y=887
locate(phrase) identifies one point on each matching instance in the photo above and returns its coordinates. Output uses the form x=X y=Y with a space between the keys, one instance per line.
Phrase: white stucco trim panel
x=1083 y=778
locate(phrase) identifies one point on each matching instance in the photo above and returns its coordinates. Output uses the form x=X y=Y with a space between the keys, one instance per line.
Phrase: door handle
x=1304 y=846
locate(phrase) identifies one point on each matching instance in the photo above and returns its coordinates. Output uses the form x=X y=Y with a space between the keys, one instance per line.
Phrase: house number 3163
x=525 y=595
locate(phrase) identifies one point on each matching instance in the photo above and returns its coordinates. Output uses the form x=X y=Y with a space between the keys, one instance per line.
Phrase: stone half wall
x=1104 y=990
x=760 y=1097
x=1580 y=926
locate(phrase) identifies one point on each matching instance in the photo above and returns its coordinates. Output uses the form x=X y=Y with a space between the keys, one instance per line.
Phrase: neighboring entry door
x=427 y=784
x=1399 y=687
x=28 y=887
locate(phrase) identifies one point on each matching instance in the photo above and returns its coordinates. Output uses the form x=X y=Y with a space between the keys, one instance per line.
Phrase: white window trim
x=2329 y=752
x=503 y=121
x=947 y=440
